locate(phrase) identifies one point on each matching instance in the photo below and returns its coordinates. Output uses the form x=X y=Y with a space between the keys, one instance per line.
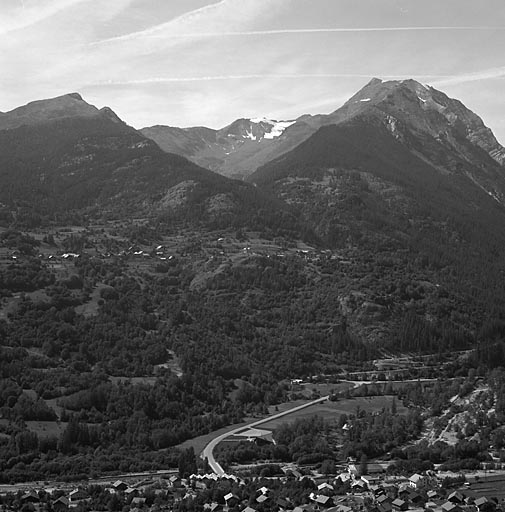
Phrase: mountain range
x=407 y=183
x=62 y=157
x=403 y=183
x=246 y=144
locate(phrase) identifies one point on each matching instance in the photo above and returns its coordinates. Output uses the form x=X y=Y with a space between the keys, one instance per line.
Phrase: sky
x=208 y=62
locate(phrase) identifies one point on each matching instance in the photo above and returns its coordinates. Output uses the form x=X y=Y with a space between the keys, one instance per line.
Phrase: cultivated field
x=332 y=410
x=327 y=410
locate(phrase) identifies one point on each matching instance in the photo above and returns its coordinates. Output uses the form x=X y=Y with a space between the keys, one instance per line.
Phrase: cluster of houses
x=60 y=500
x=347 y=492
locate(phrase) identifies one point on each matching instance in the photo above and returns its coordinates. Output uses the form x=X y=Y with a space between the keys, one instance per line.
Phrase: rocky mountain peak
x=424 y=109
x=255 y=129
x=75 y=96
x=40 y=111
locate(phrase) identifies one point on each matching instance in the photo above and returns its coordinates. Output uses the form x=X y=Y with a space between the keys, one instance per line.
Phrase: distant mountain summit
x=42 y=111
x=231 y=151
x=424 y=109
x=425 y=124
x=247 y=144
x=408 y=187
x=63 y=158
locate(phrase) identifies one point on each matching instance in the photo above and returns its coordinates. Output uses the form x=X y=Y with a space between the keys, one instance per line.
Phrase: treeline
x=371 y=434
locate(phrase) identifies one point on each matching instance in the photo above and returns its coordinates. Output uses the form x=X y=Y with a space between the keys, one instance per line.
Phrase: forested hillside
x=145 y=301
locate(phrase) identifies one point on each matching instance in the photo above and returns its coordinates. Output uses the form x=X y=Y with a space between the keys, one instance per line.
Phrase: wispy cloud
x=217 y=17
x=187 y=17
x=486 y=74
x=27 y=13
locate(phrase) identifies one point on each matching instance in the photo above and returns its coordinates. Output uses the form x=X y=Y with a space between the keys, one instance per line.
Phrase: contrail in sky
x=154 y=80
x=438 y=78
x=156 y=32
x=471 y=77
x=326 y=30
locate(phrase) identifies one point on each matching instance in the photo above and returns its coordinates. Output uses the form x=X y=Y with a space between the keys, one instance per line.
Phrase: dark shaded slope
x=96 y=166
x=413 y=238
x=365 y=145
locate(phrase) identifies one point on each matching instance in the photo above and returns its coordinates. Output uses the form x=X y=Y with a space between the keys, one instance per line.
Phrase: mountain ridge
x=385 y=188
x=64 y=155
x=436 y=113
x=52 y=109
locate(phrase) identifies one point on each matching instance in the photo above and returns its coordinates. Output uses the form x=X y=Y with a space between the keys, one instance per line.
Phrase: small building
x=61 y=504
x=359 y=485
x=30 y=496
x=480 y=502
x=325 y=487
x=343 y=477
x=283 y=503
x=371 y=480
x=120 y=486
x=258 y=436
x=417 y=481
x=324 y=501
x=174 y=481
x=387 y=506
x=416 y=498
x=372 y=468
x=456 y=497
x=399 y=504
x=304 y=508
x=432 y=494
x=77 y=495
x=231 y=499
x=450 y=506
x=138 y=502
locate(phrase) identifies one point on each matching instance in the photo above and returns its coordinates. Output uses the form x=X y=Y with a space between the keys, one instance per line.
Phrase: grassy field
x=90 y=308
x=52 y=403
x=324 y=389
x=46 y=428
x=333 y=410
x=327 y=410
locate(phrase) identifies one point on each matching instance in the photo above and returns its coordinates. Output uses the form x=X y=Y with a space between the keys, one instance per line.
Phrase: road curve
x=209 y=449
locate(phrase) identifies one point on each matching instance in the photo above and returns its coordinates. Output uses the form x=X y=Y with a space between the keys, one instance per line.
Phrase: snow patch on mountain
x=278 y=128
x=249 y=135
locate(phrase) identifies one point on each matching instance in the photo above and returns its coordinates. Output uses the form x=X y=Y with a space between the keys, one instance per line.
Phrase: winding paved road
x=209 y=449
